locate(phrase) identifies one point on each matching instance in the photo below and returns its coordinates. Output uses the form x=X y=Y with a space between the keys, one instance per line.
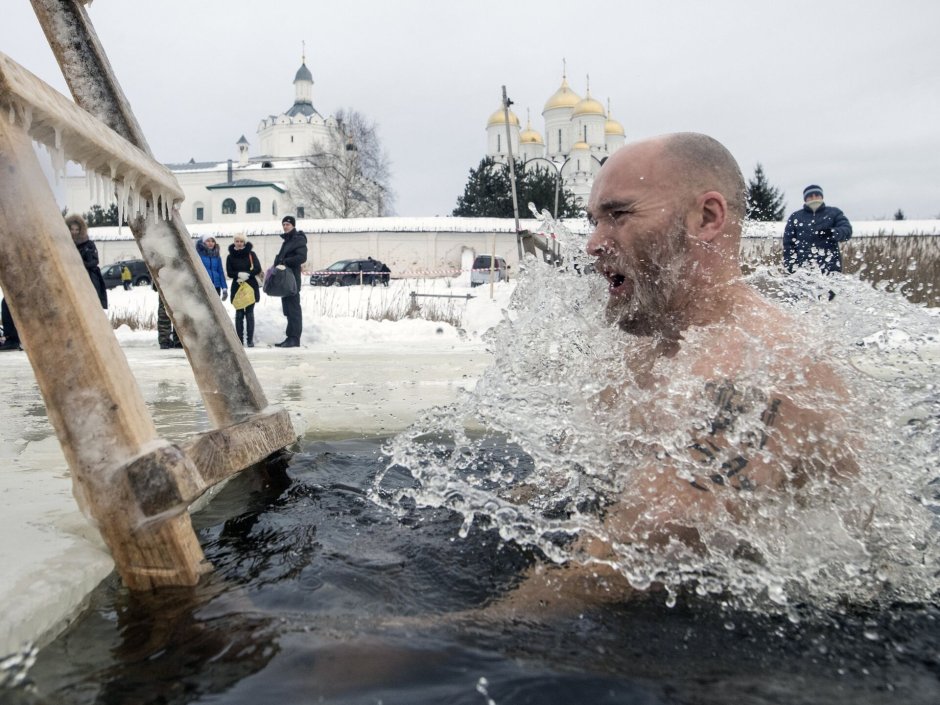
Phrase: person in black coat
x=292 y=255
x=242 y=265
x=11 y=337
x=89 y=253
x=813 y=233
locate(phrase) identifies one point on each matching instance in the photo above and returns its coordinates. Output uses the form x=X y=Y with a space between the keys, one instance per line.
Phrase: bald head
x=701 y=163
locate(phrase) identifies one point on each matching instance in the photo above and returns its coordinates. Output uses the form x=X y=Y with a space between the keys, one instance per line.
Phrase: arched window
x=273 y=207
x=499 y=143
x=228 y=207
x=253 y=205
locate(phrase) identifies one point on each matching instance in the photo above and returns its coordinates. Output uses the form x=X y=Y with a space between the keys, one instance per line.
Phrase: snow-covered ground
x=352 y=377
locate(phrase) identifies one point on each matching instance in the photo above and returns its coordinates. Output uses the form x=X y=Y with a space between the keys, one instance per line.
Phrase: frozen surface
x=352 y=377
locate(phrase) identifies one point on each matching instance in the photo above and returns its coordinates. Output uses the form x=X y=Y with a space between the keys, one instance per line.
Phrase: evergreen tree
x=764 y=202
x=488 y=193
x=899 y=215
x=98 y=216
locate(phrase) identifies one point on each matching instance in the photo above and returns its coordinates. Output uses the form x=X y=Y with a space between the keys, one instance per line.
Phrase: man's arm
x=841 y=227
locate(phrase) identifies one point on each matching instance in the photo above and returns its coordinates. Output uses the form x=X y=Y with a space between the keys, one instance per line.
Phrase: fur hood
x=82 y=228
x=205 y=251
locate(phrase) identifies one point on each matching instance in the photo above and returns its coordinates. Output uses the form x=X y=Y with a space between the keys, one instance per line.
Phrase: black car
x=140 y=275
x=349 y=272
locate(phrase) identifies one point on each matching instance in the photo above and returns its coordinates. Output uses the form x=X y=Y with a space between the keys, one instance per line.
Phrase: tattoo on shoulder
x=727 y=465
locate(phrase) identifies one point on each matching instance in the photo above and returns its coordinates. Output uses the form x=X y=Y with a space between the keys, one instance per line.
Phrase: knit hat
x=810 y=190
x=207 y=236
x=289 y=219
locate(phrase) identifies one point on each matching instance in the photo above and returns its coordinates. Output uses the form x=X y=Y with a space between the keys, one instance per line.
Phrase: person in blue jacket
x=813 y=233
x=208 y=251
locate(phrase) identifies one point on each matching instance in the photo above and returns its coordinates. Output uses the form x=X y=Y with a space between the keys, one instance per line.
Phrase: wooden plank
x=93 y=401
x=54 y=120
x=220 y=453
x=79 y=52
x=165 y=480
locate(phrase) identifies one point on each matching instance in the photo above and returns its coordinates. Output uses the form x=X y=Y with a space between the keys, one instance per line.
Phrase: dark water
x=321 y=596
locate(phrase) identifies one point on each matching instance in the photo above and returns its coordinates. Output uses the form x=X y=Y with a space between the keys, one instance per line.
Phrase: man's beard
x=656 y=278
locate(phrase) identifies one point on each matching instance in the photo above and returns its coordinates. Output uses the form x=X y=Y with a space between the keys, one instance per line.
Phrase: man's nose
x=597 y=244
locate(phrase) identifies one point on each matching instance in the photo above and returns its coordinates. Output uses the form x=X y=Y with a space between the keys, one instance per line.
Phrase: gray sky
x=841 y=93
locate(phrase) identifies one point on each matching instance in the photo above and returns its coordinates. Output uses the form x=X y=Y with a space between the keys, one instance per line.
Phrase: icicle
x=99 y=187
x=58 y=162
x=58 y=137
x=122 y=199
x=27 y=118
x=12 y=113
x=139 y=203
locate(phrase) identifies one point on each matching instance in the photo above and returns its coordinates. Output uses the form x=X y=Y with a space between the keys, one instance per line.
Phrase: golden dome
x=612 y=127
x=499 y=118
x=530 y=136
x=580 y=145
x=588 y=106
x=564 y=97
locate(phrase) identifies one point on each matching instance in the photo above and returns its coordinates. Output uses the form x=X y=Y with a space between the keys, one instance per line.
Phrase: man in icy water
x=723 y=406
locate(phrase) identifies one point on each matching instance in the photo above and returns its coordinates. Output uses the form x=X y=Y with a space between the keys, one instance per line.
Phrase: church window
x=199 y=211
x=578 y=165
x=559 y=142
x=273 y=207
x=300 y=211
x=499 y=143
x=228 y=207
x=253 y=205
x=585 y=133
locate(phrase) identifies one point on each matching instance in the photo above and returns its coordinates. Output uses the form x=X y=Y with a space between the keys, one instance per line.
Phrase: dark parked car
x=140 y=275
x=348 y=272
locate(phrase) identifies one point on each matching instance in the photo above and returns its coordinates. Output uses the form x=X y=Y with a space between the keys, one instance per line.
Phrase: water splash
x=544 y=452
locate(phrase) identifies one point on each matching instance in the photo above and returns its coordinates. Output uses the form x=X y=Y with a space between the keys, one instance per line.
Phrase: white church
x=246 y=189
x=579 y=136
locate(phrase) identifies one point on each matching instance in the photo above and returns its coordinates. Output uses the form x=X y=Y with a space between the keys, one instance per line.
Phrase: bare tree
x=349 y=175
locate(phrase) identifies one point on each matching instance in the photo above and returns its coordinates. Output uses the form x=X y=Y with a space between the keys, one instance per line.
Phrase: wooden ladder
x=136 y=486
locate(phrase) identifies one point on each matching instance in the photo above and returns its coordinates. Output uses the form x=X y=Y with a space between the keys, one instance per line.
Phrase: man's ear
x=709 y=217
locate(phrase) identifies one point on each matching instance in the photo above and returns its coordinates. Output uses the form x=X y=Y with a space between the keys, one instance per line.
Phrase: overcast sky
x=841 y=93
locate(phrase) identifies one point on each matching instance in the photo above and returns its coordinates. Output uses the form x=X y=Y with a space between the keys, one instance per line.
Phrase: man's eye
x=616 y=216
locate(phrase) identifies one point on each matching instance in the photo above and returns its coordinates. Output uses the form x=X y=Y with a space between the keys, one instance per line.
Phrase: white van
x=480 y=272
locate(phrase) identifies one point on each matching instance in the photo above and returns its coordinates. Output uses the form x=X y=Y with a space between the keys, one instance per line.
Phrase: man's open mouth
x=615 y=282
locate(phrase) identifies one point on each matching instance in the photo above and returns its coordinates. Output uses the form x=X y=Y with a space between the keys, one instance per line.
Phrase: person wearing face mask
x=813 y=233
